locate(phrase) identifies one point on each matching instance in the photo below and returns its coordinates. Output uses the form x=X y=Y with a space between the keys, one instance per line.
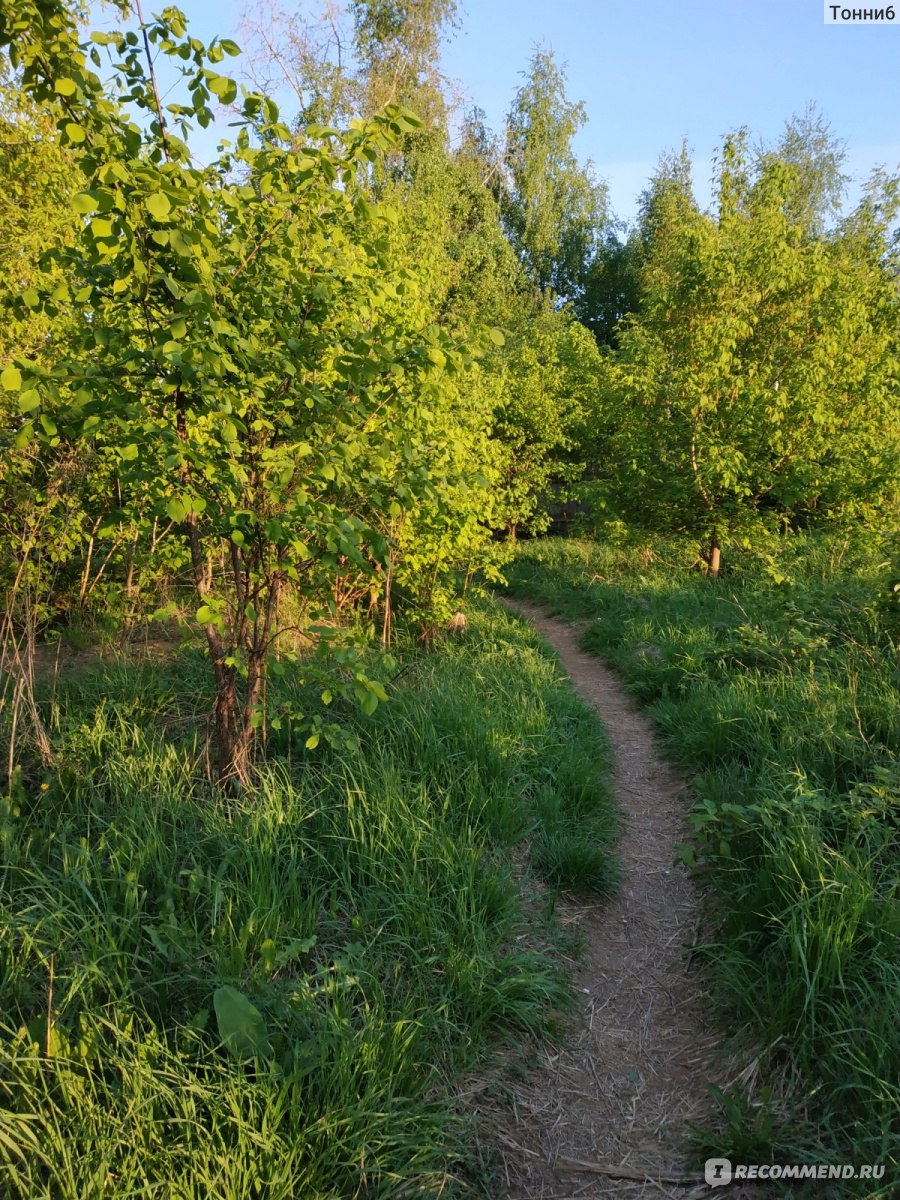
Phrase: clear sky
x=652 y=72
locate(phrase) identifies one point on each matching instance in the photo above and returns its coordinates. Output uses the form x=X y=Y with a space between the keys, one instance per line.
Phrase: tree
x=759 y=379
x=549 y=376
x=553 y=208
x=498 y=443
x=820 y=185
x=610 y=289
x=345 y=64
x=242 y=339
x=397 y=44
x=665 y=204
x=44 y=493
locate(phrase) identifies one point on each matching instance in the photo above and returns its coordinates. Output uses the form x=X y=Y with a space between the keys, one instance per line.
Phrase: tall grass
x=364 y=900
x=777 y=687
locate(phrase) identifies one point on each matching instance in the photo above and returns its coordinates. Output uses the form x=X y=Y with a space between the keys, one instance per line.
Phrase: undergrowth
x=776 y=686
x=364 y=901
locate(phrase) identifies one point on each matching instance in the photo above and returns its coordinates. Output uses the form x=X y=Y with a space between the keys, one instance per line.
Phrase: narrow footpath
x=606 y=1114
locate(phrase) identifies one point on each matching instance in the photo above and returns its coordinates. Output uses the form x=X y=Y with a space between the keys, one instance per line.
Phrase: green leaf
x=65 y=87
x=312 y=741
x=84 y=202
x=179 y=243
x=75 y=133
x=29 y=400
x=437 y=356
x=24 y=436
x=223 y=87
x=11 y=379
x=297 y=948
x=497 y=337
x=175 y=509
x=241 y=1025
x=237 y=537
x=158 y=206
x=205 y=615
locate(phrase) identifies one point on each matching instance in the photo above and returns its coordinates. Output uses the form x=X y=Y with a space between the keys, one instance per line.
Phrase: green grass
x=777 y=687
x=365 y=900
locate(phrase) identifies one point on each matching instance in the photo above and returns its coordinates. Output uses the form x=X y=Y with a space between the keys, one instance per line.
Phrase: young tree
x=242 y=338
x=549 y=377
x=818 y=157
x=44 y=492
x=553 y=208
x=397 y=45
x=760 y=376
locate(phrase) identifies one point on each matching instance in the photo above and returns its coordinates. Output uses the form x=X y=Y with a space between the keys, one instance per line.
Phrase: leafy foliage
x=765 y=353
x=245 y=344
x=554 y=208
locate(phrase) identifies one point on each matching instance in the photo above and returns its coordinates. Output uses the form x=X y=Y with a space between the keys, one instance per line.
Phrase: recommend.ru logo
x=720 y=1171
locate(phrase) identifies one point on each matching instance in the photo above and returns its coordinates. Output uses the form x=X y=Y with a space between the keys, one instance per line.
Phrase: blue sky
x=652 y=72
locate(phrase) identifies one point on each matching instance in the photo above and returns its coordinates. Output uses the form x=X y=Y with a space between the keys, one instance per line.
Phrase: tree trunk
x=86 y=571
x=235 y=725
x=241 y=756
x=715 y=553
x=225 y=724
x=386 y=623
x=129 y=574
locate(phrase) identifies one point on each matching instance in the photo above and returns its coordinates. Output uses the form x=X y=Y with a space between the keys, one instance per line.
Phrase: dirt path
x=621 y=1090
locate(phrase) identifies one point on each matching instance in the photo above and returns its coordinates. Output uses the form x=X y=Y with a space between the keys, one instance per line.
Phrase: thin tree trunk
x=715 y=552
x=86 y=571
x=129 y=574
x=225 y=731
x=240 y=766
x=386 y=624
x=228 y=766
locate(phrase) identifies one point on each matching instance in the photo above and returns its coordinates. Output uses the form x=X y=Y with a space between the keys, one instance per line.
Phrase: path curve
x=620 y=1092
